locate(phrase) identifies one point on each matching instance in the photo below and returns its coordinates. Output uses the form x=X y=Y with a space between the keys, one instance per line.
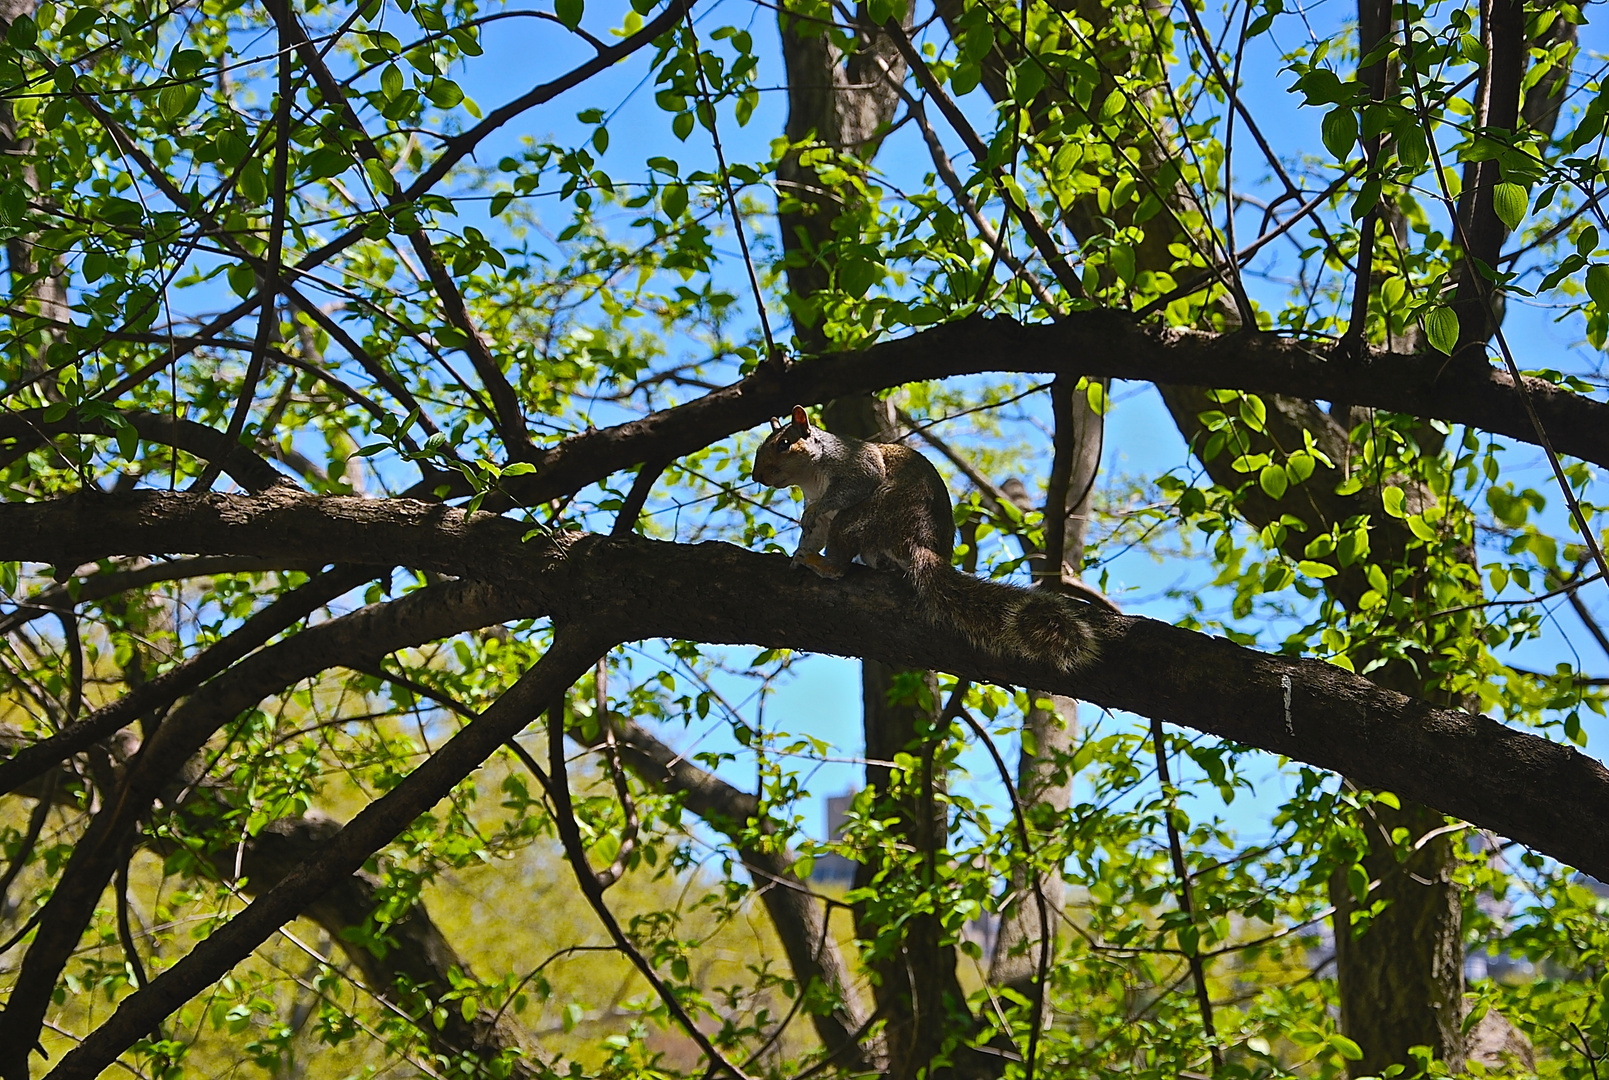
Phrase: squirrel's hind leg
x=841 y=548
x=819 y=563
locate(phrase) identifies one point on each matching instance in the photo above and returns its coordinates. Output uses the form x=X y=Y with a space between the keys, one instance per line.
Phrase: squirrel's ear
x=799 y=416
x=776 y=425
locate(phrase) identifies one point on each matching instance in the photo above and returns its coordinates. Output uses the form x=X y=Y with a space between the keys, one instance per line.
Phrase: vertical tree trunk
x=37 y=283
x=1044 y=790
x=914 y=983
x=847 y=103
x=1402 y=980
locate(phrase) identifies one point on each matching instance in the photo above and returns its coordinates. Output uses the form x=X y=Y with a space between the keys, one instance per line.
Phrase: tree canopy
x=402 y=673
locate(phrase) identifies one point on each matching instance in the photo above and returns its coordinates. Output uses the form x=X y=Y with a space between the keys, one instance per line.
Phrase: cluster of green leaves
x=624 y=298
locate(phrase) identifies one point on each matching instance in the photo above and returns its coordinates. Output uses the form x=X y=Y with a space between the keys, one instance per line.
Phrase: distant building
x=835 y=868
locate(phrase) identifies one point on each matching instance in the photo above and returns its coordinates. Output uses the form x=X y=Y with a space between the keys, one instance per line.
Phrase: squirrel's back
x=889 y=507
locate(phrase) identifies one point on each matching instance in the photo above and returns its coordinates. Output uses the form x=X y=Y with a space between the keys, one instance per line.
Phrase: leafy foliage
x=293 y=228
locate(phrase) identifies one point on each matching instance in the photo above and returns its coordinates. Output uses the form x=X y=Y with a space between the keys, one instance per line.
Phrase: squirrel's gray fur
x=887 y=504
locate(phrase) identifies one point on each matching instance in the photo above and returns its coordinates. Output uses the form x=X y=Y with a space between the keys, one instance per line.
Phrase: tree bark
x=1544 y=794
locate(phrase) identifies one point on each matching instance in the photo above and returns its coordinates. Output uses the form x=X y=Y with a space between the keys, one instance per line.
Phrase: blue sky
x=822 y=697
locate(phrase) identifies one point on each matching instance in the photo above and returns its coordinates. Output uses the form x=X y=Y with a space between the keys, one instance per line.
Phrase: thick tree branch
x=28 y=428
x=373 y=631
x=1540 y=793
x=1103 y=344
x=343 y=855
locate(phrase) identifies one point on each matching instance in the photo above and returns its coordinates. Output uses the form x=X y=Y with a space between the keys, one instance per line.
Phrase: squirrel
x=887 y=504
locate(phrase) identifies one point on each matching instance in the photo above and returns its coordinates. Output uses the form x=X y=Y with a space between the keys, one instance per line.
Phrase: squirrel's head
x=786 y=452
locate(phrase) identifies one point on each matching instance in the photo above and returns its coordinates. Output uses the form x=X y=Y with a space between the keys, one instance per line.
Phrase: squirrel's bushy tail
x=1002 y=619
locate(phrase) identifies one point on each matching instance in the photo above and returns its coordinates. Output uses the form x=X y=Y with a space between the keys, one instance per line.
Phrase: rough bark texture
x=1402 y=977
x=1540 y=793
x=1097 y=343
x=842 y=101
x=914 y=981
x=36 y=279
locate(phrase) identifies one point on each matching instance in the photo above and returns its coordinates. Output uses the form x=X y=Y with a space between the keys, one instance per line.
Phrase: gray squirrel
x=888 y=505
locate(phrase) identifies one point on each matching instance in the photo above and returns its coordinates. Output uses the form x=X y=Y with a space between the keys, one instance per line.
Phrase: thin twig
x=731 y=199
x=1502 y=339
x=1031 y=224
x=558 y=790
x=1198 y=973
x=268 y=314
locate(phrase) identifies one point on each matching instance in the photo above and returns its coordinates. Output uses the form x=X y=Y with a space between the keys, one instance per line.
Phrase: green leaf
x=682 y=126
x=1394 y=500
x=569 y=12
x=1441 y=328
x=1095 y=394
x=1510 y=202
x=128 y=440
x=173 y=102
x=1323 y=87
x=391 y=81
x=1316 y=569
x=673 y=199
x=444 y=93
x=241 y=279
x=1028 y=79
x=1273 y=480
x=1340 y=130
x=1357 y=879
x=1245 y=463
x=1598 y=284
x=1253 y=413
x=1412 y=150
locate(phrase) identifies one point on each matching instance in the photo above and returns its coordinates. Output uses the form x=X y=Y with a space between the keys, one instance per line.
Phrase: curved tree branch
x=1540 y=793
x=1098 y=343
